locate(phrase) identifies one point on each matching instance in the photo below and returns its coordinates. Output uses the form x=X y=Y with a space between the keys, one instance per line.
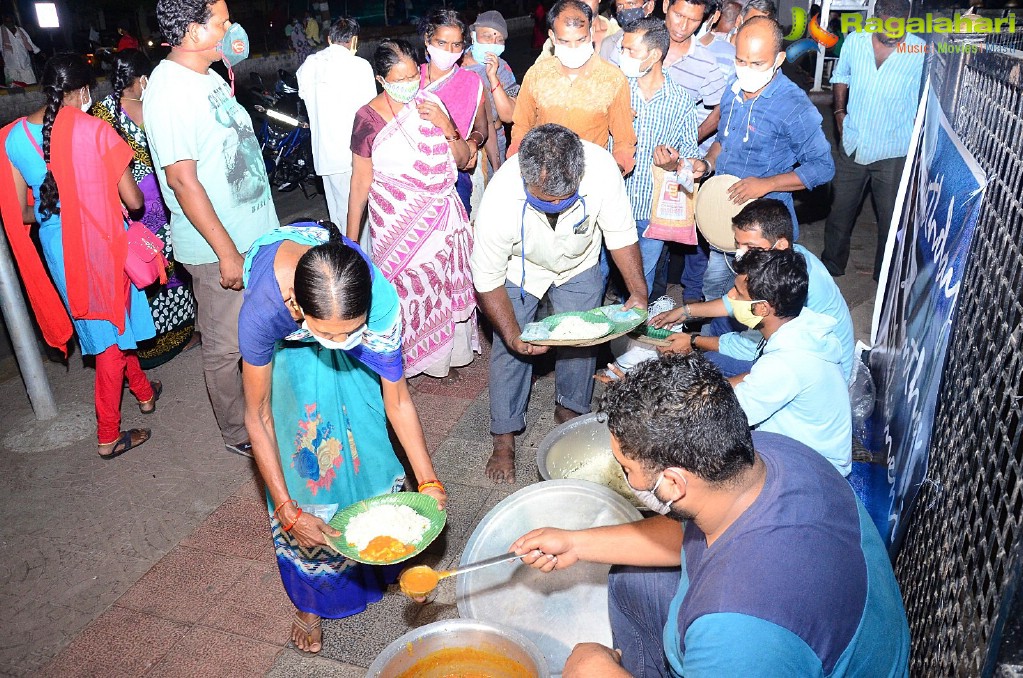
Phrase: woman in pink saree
x=406 y=154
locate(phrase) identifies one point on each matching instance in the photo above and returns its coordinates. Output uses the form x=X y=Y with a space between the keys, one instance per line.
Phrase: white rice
x=400 y=522
x=574 y=327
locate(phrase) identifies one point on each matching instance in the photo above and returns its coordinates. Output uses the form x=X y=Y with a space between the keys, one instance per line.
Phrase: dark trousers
x=638 y=599
x=848 y=189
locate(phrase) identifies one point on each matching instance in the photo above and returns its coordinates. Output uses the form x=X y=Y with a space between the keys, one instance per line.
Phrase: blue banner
x=918 y=313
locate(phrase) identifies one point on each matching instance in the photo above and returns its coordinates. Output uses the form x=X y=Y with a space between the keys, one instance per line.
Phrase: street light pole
x=19 y=325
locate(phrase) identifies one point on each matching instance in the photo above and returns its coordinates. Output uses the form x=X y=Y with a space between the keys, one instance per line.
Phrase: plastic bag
x=862 y=396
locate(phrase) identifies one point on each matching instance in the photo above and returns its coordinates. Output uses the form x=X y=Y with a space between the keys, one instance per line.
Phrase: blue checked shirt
x=882 y=102
x=668 y=119
x=777 y=132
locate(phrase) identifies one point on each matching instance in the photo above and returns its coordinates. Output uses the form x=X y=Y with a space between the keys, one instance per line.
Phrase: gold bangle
x=432 y=483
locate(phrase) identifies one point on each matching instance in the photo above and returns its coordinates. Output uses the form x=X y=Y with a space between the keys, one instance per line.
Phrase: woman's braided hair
x=130 y=65
x=63 y=74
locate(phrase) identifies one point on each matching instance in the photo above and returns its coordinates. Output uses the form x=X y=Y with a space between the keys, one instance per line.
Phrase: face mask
x=402 y=92
x=87 y=104
x=573 y=57
x=480 y=50
x=627 y=16
x=631 y=67
x=353 y=340
x=751 y=80
x=742 y=311
x=702 y=31
x=144 y=82
x=442 y=58
x=551 y=207
x=234 y=46
x=650 y=499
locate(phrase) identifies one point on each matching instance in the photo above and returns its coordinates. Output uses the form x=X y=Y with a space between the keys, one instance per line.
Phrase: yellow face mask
x=742 y=311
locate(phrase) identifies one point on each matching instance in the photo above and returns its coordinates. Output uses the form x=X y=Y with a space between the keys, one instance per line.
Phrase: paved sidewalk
x=160 y=563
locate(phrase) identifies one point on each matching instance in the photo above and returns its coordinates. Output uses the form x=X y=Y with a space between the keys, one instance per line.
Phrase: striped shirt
x=697 y=73
x=668 y=118
x=724 y=54
x=882 y=101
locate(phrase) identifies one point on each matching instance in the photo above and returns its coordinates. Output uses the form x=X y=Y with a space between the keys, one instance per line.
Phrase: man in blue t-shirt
x=777 y=570
x=765 y=224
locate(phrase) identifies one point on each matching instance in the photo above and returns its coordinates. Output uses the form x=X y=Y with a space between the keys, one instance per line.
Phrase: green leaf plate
x=423 y=504
x=552 y=321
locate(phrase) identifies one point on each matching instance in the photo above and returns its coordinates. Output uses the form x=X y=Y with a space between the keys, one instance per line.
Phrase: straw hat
x=714 y=211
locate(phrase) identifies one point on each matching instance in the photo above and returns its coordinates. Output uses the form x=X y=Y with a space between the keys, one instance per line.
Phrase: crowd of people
x=761 y=559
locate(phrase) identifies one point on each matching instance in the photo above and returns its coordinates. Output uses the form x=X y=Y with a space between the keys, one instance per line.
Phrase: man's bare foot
x=306 y=633
x=563 y=414
x=501 y=465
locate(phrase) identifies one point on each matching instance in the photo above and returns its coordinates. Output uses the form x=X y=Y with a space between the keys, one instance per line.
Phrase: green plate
x=552 y=321
x=654 y=332
x=622 y=321
x=423 y=504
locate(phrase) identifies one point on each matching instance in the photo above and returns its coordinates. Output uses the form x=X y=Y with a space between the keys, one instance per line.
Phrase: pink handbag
x=145 y=263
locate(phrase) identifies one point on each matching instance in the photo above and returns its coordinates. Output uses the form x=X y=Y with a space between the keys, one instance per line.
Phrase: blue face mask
x=480 y=51
x=550 y=207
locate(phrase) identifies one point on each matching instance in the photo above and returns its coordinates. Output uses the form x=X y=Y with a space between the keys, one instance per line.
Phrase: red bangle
x=287 y=528
x=494 y=89
x=283 y=504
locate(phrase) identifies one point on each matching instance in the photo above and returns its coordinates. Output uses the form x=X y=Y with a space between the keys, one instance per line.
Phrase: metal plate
x=555 y=610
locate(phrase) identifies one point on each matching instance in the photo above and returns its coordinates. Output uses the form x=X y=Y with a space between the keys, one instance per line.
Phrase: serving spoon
x=417 y=582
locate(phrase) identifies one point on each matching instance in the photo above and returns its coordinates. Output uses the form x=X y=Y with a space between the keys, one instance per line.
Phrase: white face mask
x=752 y=80
x=573 y=57
x=631 y=66
x=353 y=340
x=87 y=103
x=441 y=58
x=144 y=82
x=703 y=30
x=650 y=499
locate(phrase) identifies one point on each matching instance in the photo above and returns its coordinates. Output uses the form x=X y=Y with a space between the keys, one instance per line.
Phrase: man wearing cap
x=539 y=232
x=770 y=136
x=489 y=33
x=576 y=88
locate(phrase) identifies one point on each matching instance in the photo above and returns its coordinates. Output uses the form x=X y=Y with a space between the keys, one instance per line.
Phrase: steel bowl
x=401 y=655
x=580 y=449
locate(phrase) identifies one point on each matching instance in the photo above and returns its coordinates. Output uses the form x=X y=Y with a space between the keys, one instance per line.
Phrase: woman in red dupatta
x=69 y=172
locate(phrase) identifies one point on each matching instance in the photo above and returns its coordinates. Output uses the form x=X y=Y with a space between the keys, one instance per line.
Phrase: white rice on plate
x=573 y=327
x=399 y=522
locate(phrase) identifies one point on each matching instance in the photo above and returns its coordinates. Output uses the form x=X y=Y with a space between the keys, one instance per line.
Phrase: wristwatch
x=692 y=340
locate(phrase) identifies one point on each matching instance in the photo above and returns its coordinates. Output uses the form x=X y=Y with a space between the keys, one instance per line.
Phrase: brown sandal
x=308 y=629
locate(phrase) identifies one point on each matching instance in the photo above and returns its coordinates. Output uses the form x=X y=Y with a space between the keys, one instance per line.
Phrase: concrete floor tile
x=34 y=633
x=290 y=663
x=256 y=607
x=240 y=527
x=465 y=460
x=185 y=585
x=207 y=652
x=118 y=643
x=360 y=638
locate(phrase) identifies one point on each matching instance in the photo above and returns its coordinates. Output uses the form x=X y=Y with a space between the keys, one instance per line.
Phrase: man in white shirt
x=334 y=83
x=17 y=50
x=539 y=232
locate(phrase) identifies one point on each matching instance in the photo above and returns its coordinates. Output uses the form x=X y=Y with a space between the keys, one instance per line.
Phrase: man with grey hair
x=539 y=232
x=753 y=9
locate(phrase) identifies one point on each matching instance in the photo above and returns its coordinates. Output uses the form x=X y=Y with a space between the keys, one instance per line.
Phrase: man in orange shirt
x=577 y=89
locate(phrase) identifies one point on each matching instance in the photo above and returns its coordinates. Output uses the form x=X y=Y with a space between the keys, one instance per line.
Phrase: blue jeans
x=694 y=270
x=729 y=366
x=638 y=600
x=720 y=274
x=649 y=251
x=510 y=372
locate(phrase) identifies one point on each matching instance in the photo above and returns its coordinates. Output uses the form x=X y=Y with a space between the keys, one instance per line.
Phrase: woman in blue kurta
x=320 y=338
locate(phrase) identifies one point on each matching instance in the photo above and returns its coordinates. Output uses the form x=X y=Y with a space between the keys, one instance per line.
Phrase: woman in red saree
x=406 y=151
x=69 y=172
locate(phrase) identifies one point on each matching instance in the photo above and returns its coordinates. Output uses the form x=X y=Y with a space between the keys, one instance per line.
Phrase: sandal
x=126 y=442
x=308 y=629
x=149 y=406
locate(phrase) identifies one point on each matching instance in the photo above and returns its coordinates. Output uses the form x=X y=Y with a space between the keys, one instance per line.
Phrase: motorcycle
x=284 y=136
